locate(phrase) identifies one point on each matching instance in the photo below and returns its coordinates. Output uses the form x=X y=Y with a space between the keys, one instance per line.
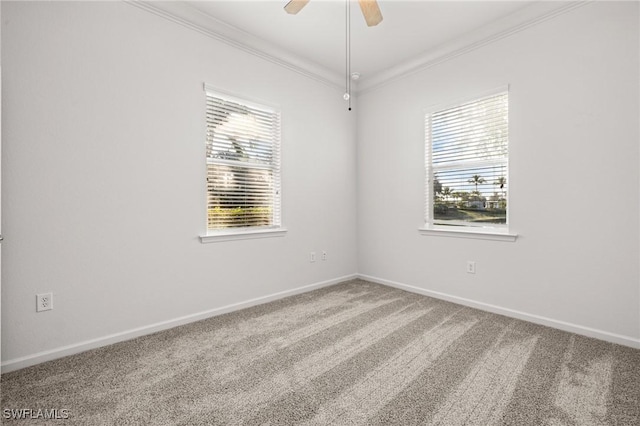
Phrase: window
x=243 y=166
x=467 y=165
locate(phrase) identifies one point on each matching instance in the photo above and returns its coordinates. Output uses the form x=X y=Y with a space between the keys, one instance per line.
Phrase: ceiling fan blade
x=371 y=12
x=295 y=6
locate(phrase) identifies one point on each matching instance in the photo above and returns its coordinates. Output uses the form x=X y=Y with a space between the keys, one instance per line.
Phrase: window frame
x=461 y=229
x=247 y=232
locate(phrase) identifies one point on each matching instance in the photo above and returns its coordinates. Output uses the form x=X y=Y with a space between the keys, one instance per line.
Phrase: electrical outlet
x=312 y=256
x=471 y=267
x=324 y=255
x=44 y=302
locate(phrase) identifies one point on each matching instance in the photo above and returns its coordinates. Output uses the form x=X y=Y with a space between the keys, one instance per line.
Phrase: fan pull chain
x=347 y=95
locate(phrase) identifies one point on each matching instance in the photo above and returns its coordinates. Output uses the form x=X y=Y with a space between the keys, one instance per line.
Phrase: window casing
x=466 y=158
x=243 y=165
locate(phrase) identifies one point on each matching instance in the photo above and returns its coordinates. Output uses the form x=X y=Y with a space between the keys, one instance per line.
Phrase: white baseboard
x=29 y=360
x=537 y=319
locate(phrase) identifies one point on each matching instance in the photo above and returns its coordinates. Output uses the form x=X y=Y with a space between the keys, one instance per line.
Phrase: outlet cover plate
x=44 y=302
x=471 y=267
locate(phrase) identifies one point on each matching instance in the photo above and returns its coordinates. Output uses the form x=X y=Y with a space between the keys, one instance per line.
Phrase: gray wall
x=103 y=172
x=104 y=176
x=574 y=157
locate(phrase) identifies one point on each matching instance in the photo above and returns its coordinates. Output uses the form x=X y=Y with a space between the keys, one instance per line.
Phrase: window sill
x=476 y=233
x=242 y=235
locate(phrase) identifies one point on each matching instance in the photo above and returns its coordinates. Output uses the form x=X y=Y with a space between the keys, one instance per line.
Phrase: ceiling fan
x=369 y=8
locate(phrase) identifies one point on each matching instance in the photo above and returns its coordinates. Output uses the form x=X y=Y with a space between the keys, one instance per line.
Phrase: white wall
x=574 y=181
x=104 y=176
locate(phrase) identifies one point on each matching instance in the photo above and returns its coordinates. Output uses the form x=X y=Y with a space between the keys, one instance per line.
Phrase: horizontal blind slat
x=466 y=159
x=243 y=164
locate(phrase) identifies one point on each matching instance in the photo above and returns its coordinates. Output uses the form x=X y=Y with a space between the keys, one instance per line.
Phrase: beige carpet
x=356 y=353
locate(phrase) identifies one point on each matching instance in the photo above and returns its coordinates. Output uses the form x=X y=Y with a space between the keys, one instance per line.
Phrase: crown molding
x=196 y=20
x=534 y=14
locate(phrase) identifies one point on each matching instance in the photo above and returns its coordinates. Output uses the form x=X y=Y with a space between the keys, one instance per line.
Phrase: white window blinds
x=466 y=160
x=243 y=164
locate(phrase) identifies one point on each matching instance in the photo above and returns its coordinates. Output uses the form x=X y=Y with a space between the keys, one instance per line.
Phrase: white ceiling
x=313 y=41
